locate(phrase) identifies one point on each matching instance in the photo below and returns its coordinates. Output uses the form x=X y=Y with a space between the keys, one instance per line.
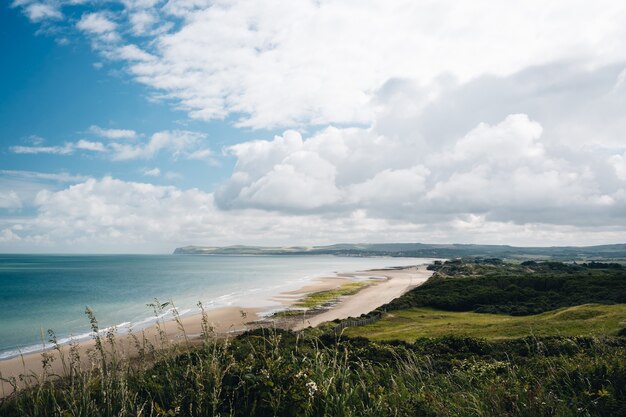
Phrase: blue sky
x=142 y=125
x=52 y=93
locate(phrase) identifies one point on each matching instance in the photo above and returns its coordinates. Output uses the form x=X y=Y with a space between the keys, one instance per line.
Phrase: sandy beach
x=387 y=284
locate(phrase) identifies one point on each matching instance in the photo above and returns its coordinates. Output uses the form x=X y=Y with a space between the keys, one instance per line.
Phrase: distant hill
x=604 y=252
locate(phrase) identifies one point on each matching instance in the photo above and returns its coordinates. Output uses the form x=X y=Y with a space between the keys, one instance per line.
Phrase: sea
x=42 y=292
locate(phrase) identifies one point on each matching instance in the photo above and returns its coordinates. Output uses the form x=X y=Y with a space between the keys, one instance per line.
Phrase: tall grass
x=270 y=372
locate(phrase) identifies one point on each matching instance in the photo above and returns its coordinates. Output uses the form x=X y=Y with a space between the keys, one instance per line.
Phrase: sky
x=137 y=126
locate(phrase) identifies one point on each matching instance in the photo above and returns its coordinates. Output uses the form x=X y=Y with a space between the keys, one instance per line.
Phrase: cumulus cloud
x=10 y=200
x=501 y=172
x=111 y=215
x=18 y=189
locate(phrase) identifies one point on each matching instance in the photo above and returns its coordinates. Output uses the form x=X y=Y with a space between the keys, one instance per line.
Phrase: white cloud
x=7 y=235
x=501 y=172
x=152 y=172
x=110 y=215
x=37 y=12
x=140 y=4
x=96 y=23
x=67 y=149
x=142 y=21
x=390 y=186
x=35 y=140
x=113 y=133
x=131 y=53
x=59 y=150
x=201 y=154
x=619 y=164
x=87 y=145
x=45 y=176
x=301 y=62
x=179 y=143
x=10 y=200
x=101 y=28
x=437 y=121
x=18 y=190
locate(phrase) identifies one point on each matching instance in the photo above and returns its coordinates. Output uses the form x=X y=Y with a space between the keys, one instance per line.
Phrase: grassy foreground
x=410 y=324
x=279 y=373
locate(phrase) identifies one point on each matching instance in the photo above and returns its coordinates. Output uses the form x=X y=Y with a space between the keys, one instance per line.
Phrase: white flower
x=312 y=387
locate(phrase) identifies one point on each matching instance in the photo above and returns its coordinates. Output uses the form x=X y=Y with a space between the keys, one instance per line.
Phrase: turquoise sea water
x=40 y=292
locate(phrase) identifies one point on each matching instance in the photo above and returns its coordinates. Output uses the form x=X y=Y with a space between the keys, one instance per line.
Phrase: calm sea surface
x=40 y=292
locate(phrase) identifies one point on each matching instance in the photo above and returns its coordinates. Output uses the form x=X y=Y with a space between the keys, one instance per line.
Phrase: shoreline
x=388 y=283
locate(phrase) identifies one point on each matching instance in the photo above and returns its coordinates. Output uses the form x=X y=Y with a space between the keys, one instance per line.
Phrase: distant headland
x=615 y=251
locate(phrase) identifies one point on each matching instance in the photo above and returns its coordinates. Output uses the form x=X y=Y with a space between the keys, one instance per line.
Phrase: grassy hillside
x=410 y=324
x=270 y=372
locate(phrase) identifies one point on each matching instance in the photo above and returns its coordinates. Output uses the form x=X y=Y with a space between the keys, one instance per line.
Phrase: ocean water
x=41 y=292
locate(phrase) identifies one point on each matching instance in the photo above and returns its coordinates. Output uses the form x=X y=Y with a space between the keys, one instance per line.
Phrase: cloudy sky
x=142 y=125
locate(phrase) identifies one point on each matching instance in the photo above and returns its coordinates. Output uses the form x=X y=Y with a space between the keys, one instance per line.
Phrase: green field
x=407 y=325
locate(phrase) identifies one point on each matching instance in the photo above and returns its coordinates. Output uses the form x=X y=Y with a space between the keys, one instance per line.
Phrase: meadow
x=413 y=323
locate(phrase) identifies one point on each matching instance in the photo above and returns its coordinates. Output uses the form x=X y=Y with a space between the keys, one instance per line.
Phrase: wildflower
x=312 y=387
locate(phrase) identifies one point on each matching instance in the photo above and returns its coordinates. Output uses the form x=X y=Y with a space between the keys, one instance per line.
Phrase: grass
x=322 y=298
x=528 y=288
x=269 y=372
x=407 y=325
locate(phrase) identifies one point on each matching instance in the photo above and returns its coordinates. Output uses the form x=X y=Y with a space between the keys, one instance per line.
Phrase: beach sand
x=387 y=285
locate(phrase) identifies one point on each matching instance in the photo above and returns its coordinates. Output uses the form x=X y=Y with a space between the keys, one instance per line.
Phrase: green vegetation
x=321 y=298
x=410 y=324
x=279 y=373
x=566 y=361
x=527 y=288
